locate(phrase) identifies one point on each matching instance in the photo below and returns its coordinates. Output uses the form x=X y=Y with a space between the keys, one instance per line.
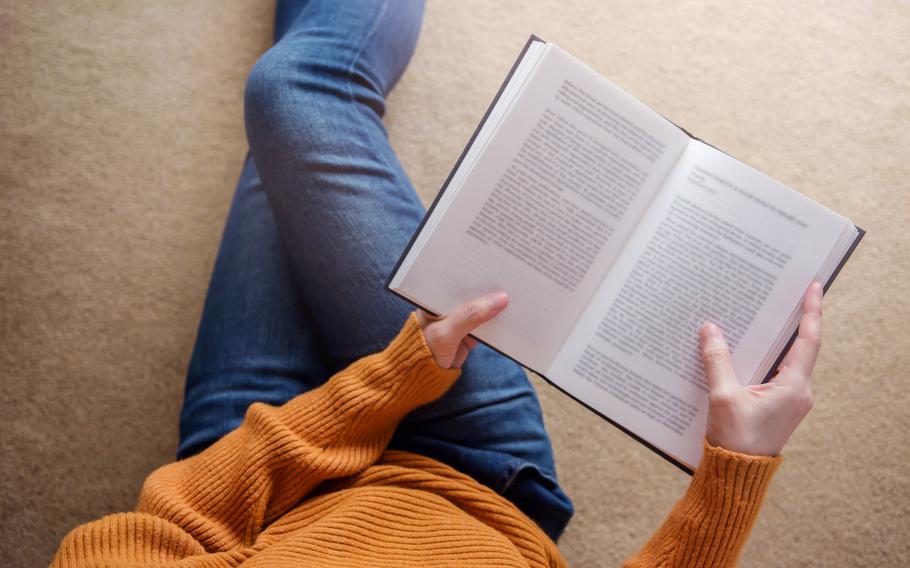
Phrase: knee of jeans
x=296 y=88
x=269 y=94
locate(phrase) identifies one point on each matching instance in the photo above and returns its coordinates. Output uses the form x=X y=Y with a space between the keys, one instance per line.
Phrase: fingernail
x=499 y=300
x=708 y=332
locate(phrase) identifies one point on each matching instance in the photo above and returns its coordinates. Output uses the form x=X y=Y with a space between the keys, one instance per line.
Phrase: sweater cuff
x=412 y=369
x=731 y=486
x=710 y=524
x=723 y=501
x=722 y=464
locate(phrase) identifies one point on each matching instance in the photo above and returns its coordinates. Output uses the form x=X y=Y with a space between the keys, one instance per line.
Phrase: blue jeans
x=321 y=213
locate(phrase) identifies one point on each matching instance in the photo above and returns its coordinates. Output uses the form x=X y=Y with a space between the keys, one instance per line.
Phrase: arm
x=222 y=498
x=709 y=526
x=225 y=495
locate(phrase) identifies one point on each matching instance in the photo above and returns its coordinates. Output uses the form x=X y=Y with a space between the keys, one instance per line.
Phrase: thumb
x=471 y=315
x=716 y=357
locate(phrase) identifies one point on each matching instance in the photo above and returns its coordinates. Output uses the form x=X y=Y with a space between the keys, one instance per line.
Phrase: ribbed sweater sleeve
x=222 y=498
x=213 y=509
x=710 y=524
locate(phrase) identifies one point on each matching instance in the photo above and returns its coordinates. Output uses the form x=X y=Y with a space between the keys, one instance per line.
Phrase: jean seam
x=517 y=466
x=511 y=474
x=390 y=169
x=379 y=18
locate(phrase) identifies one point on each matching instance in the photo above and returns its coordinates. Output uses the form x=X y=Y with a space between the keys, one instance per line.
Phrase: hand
x=759 y=419
x=447 y=335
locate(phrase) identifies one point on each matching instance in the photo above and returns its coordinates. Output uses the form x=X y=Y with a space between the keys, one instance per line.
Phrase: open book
x=616 y=235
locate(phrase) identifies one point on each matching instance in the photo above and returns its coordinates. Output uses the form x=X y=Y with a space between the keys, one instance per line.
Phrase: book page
x=722 y=243
x=546 y=208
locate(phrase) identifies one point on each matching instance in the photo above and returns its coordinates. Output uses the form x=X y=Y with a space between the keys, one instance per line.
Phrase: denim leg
x=345 y=210
x=255 y=340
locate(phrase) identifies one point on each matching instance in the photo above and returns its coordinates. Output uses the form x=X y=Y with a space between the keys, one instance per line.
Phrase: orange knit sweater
x=310 y=483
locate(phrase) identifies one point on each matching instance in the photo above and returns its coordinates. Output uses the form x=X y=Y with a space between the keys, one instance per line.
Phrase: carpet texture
x=121 y=139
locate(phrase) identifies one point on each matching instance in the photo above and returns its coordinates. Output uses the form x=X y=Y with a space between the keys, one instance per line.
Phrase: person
x=325 y=423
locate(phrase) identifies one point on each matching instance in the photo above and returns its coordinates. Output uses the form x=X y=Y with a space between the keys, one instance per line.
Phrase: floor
x=122 y=139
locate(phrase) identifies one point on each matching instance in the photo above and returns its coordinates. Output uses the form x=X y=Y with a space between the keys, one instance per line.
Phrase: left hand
x=447 y=335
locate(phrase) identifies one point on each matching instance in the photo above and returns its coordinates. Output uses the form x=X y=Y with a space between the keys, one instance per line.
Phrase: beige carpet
x=121 y=139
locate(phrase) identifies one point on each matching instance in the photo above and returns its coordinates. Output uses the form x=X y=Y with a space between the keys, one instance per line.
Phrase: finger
x=469 y=316
x=716 y=357
x=460 y=356
x=470 y=342
x=800 y=360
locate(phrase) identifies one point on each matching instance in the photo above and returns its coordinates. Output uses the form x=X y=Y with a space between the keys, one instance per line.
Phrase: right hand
x=759 y=419
x=447 y=335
